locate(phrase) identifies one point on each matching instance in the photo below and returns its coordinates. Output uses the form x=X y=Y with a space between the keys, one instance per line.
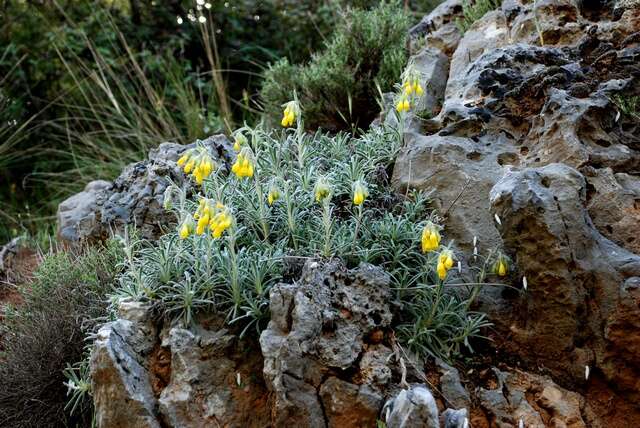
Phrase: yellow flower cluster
x=430 y=237
x=360 y=193
x=445 y=262
x=322 y=190
x=243 y=166
x=403 y=104
x=291 y=111
x=216 y=217
x=198 y=163
x=411 y=86
x=501 y=266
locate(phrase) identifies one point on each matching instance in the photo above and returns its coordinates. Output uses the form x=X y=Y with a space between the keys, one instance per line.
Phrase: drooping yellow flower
x=501 y=266
x=291 y=111
x=322 y=190
x=186 y=228
x=417 y=87
x=403 y=105
x=274 y=194
x=445 y=262
x=239 y=141
x=360 y=193
x=430 y=238
x=243 y=166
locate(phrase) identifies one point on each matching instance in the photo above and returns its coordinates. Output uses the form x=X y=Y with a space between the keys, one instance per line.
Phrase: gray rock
x=456 y=418
x=446 y=12
x=451 y=387
x=576 y=280
x=76 y=217
x=460 y=173
x=122 y=392
x=135 y=198
x=412 y=408
x=317 y=329
x=521 y=397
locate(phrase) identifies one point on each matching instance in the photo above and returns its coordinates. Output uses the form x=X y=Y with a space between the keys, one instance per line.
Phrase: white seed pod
x=238 y=379
x=475 y=241
x=524 y=283
x=521 y=423
x=586 y=372
x=459 y=266
x=495 y=216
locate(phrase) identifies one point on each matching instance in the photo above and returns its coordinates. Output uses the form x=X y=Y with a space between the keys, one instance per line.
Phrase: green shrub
x=337 y=88
x=46 y=333
x=303 y=198
x=471 y=12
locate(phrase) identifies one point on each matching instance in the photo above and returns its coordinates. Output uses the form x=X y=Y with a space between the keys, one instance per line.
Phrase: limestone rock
x=580 y=283
x=520 y=397
x=135 y=198
x=412 y=408
x=317 y=331
x=122 y=393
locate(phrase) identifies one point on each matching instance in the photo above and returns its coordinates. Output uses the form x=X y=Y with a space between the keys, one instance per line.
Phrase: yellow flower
x=322 y=189
x=186 y=228
x=274 y=194
x=360 y=193
x=183 y=159
x=430 y=238
x=445 y=262
x=220 y=222
x=243 y=166
x=239 y=141
x=407 y=87
x=189 y=166
x=417 y=87
x=501 y=266
x=403 y=105
x=291 y=111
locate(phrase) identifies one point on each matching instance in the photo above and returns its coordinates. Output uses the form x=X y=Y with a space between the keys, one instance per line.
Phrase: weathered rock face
x=323 y=356
x=532 y=129
x=530 y=400
x=147 y=376
x=580 y=283
x=134 y=198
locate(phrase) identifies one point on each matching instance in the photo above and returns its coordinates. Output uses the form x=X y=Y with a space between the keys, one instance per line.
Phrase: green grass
x=473 y=11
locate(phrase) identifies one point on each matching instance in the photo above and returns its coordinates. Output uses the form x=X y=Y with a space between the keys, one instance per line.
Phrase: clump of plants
x=364 y=57
x=293 y=195
x=44 y=336
x=474 y=10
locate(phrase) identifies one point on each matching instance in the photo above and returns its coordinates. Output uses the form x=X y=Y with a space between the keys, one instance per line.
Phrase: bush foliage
x=46 y=333
x=297 y=196
x=364 y=58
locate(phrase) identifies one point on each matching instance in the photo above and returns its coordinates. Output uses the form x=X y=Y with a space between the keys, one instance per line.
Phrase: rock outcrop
x=534 y=132
x=135 y=198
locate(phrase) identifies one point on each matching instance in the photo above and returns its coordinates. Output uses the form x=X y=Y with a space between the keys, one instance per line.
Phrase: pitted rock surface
x=135 y=198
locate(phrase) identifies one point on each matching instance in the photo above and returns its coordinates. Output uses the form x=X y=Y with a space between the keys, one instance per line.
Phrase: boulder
x=412 y=408
x=135 y=198
x=317 y=346
x=580 y=308
x=525 y=399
